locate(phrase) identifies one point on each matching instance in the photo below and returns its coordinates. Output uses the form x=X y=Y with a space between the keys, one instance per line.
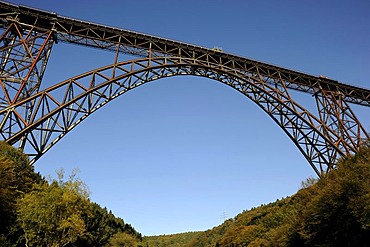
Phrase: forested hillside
x=334 y=211
x=173 y=240
x=37 y=212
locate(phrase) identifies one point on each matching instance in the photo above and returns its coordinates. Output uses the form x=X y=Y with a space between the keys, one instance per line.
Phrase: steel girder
x=24 y=54
x=115 y=39
x=35 y=121
x=61 y=107
x=337 y=115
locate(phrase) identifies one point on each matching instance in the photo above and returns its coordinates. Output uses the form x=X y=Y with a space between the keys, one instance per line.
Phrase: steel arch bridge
x=35 y=120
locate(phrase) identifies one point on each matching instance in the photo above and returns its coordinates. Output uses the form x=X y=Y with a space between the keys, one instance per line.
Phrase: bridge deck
x=111 y=38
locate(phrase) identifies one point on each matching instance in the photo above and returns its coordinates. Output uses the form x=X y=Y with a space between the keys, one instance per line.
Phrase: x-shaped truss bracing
x=61 y=107
x=36 y=120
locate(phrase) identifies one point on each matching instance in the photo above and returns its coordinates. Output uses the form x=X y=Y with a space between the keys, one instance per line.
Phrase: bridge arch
x=60 y=108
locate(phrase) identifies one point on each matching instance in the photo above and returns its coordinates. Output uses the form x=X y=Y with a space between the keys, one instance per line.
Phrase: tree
x=101 y=225
x=241 y=235
x=51 y=214
x=336 y=209
x=17 y=178
x=122 y=240
x=8 y=193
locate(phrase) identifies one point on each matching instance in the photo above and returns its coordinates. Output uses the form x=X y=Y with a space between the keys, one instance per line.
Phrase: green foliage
x=173 y=240
x=52 y=214
x=22 y=175
x=15 y=155
x=8 y=192
x=17 y=178
x=308 y=182
x=337 y=211
x=34 y=212
x=4 y=242
x=122 y=239
x=101 y=225
x=332 y=211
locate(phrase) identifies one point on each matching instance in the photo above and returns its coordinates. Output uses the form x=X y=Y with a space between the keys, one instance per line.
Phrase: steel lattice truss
x=35 y=121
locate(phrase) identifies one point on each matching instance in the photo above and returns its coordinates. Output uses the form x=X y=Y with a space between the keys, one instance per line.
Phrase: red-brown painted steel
x=35 y=121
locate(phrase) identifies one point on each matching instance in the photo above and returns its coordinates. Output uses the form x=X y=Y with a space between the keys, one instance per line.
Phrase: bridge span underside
x=36 y=120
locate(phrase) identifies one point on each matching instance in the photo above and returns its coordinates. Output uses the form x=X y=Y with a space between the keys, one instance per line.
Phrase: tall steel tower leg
x=337 y=115
x=24 y=56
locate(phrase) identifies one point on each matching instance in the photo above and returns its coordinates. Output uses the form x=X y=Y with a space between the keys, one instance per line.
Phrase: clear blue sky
x=176 y=154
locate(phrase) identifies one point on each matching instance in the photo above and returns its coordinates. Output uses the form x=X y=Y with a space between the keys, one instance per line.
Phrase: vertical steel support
x=307 y=141
x=24 y=55
x=336 y=114
x=33 y=120
x=117 y=56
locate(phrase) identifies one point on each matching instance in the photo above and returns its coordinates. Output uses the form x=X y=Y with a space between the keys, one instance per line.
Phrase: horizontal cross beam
x=111 y=38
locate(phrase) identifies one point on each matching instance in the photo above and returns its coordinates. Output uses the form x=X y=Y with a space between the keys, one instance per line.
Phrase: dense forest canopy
x=332 y=211
x=37 y=212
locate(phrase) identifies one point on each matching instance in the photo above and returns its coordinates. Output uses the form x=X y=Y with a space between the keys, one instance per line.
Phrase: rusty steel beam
x=111 y=38
x=36 y=121
x=63 y=106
